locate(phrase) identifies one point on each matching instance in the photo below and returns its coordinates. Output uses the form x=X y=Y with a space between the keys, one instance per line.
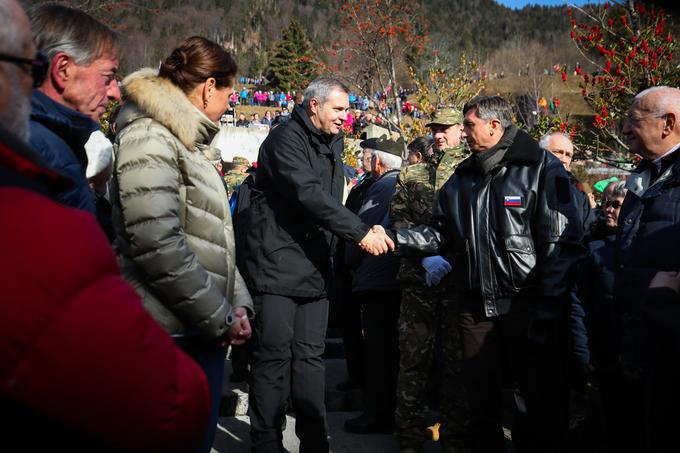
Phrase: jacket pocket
x=521 y=257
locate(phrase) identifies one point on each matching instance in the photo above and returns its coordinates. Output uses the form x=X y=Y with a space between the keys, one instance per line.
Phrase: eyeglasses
x=38 y=65
x=639 y=119
x=616 y=204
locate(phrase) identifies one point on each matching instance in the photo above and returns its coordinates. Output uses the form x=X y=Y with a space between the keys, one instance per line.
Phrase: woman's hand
x=240 y=331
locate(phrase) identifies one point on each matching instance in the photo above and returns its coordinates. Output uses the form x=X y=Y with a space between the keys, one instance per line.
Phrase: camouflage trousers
x=426 y=313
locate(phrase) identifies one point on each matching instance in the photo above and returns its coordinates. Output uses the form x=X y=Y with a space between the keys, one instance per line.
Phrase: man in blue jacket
x=66 y=107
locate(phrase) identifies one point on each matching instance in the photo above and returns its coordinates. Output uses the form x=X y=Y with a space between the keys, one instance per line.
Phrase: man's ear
x=670 y=123
x=494 y=126
x=61 y=70
x=314 y=105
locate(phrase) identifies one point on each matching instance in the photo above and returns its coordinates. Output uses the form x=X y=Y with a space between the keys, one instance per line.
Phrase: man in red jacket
x=82 y=364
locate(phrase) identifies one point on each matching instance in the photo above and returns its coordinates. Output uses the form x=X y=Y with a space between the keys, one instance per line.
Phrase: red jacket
x=76 y=345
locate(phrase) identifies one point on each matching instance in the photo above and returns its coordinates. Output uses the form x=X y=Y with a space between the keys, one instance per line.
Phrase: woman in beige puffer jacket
x=171 y=212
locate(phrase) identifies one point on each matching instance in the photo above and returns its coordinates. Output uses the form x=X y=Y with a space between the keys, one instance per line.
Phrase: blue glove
x=436 y=268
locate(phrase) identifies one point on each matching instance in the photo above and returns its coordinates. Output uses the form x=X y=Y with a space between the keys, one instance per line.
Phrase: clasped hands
x=376 y=242
x=240 y=331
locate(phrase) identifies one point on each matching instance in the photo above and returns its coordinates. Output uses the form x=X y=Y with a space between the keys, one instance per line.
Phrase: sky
x=522 y=3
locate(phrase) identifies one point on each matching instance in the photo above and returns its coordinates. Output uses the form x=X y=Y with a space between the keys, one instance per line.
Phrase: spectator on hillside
x=267 y=120
x=66 y=106
x=84 y=367
x=242 y=121
x=244 y=95
x=172 y=210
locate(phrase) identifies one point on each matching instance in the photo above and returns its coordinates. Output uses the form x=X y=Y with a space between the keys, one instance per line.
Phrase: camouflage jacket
x=413 y=201
x=233 y=179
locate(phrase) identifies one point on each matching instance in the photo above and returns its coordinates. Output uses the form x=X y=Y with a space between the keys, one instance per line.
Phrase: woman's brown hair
x=196 y=60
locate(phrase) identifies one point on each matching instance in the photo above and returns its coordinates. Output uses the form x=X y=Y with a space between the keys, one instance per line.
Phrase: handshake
x=376 y=242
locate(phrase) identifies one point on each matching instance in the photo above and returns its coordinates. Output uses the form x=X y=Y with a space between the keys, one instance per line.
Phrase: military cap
x=395 y=147
x=446 y=117
x=238 y=160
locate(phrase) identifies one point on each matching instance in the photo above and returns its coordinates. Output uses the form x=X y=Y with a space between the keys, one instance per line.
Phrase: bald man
x=646 y=242
x=560 y=145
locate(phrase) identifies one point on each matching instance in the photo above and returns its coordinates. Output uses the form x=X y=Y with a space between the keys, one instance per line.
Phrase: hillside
x=150 y=29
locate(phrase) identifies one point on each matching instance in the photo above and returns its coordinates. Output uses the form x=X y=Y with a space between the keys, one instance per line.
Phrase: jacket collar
x=71 y=126
x=158 y=98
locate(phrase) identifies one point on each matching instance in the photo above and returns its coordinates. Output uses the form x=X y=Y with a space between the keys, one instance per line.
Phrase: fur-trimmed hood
x=148 y=95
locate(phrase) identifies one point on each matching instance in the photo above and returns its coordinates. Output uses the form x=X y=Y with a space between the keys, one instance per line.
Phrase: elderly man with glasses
x=646 y=242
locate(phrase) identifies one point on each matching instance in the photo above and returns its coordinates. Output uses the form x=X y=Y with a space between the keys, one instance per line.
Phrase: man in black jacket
x=508 y=222
x=646 y=242
x=294 y=217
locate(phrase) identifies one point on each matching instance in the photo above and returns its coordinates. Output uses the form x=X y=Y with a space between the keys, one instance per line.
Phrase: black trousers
x=538 y=371
x=289 y=338
x=381 y=351
x=352 y=336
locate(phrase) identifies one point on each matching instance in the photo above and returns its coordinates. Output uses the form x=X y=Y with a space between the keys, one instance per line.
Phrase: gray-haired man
x=508 y=222
x=66 y=107
x=295 y=215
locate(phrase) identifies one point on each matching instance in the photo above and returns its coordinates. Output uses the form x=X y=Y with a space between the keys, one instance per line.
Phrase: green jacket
x=413 y=201
x=171 y=213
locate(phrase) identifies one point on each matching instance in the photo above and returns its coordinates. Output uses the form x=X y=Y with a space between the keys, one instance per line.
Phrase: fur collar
x=160 y=99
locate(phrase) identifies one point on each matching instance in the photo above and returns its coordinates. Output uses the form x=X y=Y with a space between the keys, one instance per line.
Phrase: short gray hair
x=321 y=88
x=491 y=108
x=544 y=142
x=389 y=161
x=57 y=28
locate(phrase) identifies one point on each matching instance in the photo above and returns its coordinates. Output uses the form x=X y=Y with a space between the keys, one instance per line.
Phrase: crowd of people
x=130 y=265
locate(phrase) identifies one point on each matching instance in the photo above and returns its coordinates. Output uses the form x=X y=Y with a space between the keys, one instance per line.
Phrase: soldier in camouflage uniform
x=236 y=173
x=427 y=311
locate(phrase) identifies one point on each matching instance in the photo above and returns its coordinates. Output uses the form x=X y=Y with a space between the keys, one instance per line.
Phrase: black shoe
x=349 y=384
x=365 y=424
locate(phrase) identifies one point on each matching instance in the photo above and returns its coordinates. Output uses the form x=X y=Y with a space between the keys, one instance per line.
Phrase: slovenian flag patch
x=512 y=200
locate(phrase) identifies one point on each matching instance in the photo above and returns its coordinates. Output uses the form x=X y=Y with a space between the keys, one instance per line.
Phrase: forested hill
x=250 y=27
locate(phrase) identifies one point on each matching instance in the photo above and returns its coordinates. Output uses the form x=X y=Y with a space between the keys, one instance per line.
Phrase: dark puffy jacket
x=647 y=241
x=295 y=210
x=59 y=134
x=511 y=230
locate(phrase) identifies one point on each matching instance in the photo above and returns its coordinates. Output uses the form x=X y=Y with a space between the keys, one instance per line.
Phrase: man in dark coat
x=646 y=243
x=376 y=293
x=508 y=221
x=294 y=216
